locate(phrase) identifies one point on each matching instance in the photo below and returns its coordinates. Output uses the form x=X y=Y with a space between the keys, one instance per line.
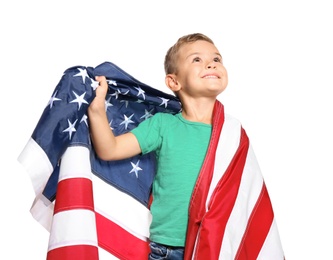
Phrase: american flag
x=88 y=204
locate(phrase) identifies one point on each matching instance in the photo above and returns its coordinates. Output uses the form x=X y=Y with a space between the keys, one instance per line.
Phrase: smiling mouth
x=210 y=77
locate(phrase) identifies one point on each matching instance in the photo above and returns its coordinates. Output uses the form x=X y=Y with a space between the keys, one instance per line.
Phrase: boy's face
x=200 y=70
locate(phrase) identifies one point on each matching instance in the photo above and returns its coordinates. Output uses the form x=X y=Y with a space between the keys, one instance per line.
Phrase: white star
x=94 y=84
x=125 y=93
x=83 y=73
x=136 y=168
x=70 y=129
x=127 y=120
x=164 y=101
x=52 y=99
x=108 y=103
x=141 y=92
x=126 y=102
x=147 y=114
x=116 y=94
x=79 y=99
x=110 y=124
x=84 y=119
x=112 y=82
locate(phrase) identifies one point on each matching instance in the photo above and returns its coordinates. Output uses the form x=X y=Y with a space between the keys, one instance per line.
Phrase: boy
x=195 y=73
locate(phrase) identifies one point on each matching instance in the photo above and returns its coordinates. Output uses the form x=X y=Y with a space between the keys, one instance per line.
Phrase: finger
x=100 y=78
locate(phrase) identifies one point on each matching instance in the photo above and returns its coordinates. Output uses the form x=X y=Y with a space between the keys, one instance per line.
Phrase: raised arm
x=106 y=145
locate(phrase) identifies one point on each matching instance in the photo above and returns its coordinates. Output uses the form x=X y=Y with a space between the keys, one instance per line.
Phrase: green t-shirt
x=180 y=147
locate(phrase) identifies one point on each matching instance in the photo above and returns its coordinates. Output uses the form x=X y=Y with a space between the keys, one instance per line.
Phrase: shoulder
x=231 y=119
x=232 y=124
x=163 y=116
x=158 y=119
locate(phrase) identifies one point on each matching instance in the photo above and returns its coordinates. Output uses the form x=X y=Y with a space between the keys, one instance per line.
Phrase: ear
x=172 y=83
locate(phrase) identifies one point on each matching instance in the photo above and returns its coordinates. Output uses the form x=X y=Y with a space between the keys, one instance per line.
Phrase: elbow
x=104 y=156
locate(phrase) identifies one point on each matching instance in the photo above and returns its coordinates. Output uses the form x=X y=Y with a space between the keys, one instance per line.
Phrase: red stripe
x=82 y=252
x=201 y=189
x=221 y=205
x=74 y=193
x=120 y=242
x=258 y=227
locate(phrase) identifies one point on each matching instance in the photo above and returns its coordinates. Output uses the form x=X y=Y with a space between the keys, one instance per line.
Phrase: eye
x=218 y=59
x=196 y=59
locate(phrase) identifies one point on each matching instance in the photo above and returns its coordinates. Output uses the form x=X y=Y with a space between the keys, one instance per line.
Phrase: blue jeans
x=163 y=252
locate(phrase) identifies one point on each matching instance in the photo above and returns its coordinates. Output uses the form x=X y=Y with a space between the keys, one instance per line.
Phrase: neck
x=198 y=111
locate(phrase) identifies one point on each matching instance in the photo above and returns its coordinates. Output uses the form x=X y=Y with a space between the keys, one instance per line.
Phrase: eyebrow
x=198 y=53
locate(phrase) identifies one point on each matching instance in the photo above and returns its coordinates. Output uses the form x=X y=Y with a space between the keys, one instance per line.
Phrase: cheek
x=226 y=78
x=225 y=73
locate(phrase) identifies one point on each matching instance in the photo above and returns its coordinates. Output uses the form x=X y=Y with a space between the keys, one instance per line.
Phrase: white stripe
x=248 y=193
x=37 y=164
x=105 y=255
x=42 y=211
x=272 y=248
x=121 y=209
x=39 y=168
x=75 y=163
x=225 y=151
x=73 y=227
x=227 y=146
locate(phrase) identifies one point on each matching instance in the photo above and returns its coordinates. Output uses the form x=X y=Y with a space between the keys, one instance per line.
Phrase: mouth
x=210 y=76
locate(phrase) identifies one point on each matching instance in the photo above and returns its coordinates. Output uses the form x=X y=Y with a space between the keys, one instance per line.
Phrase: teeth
x=210 y=77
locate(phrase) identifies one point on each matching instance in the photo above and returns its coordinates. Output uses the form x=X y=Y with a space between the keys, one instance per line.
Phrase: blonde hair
x=170 y=61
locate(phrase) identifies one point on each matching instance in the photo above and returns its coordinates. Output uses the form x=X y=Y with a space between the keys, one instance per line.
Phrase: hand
x=99 y=101
x=102 y=89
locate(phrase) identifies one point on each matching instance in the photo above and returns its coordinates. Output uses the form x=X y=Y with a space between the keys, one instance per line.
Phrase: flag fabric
x=230 y=214
x=84 y=202
x=87 y=204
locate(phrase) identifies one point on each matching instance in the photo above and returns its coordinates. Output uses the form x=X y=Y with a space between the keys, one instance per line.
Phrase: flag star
x=83 y=73
x=116 y=94
x=125 y=93
x=70 y=129
x=112 y=82
x=110 y=124
x=94 y=84
x=136 y=168
x=52 y=99
x=84 y=119
x=164 y=101
x=127 y=120
x=141 y=92
x=126 y=102
x=147 y=114
x=79 y=99
x=108 y=103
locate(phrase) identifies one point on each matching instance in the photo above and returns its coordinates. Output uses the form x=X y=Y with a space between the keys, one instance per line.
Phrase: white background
x=279 y=56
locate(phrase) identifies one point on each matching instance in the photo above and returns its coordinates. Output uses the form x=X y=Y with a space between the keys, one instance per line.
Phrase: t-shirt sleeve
x=148 y=133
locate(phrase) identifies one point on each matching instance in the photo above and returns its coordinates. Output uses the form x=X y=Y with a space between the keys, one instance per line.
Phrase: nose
x=211 y=65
